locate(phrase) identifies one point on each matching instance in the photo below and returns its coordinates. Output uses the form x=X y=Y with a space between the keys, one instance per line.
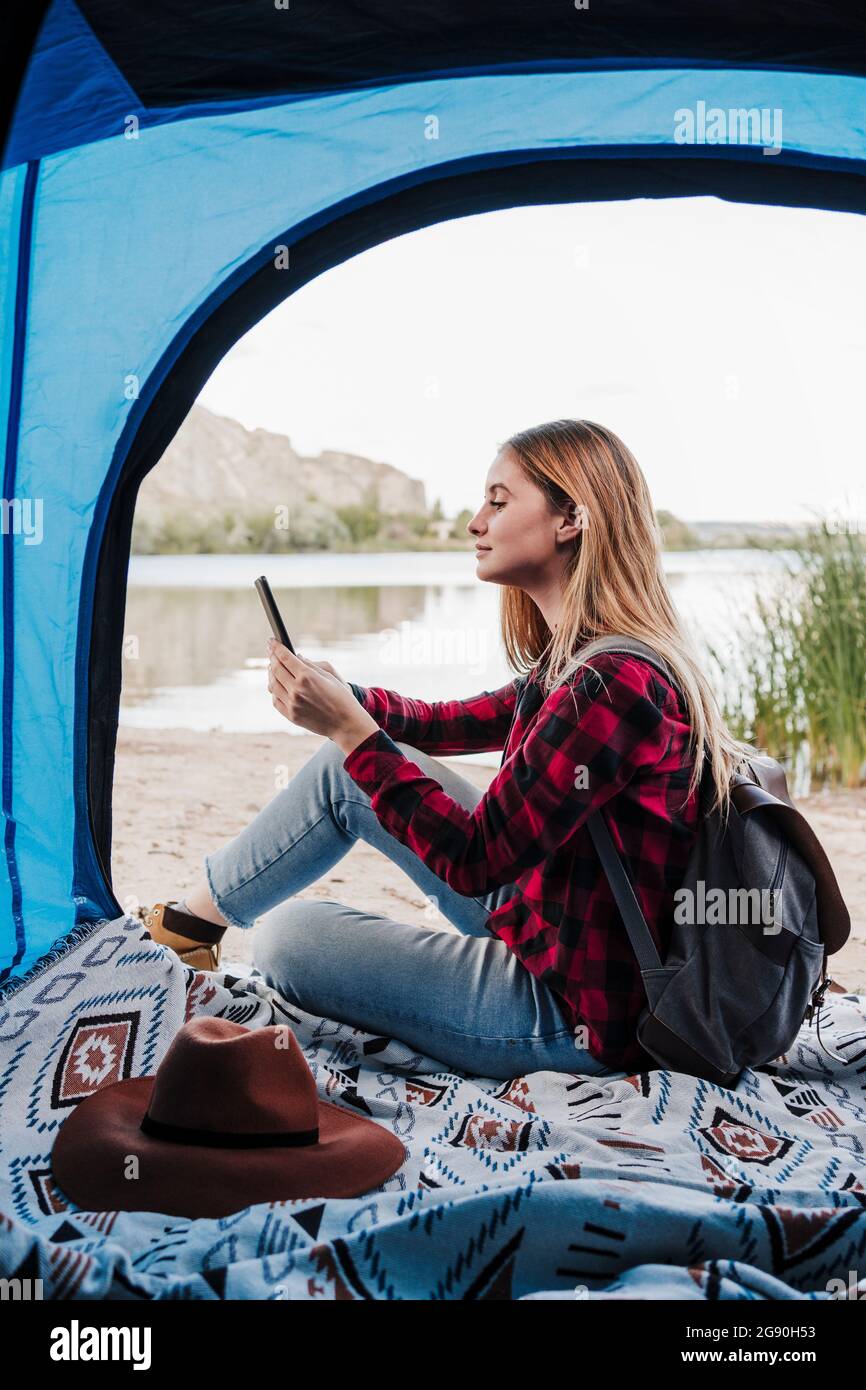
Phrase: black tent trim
x=173 y=54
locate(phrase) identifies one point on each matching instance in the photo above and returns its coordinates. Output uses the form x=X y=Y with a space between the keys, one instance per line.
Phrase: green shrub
x=804 y=687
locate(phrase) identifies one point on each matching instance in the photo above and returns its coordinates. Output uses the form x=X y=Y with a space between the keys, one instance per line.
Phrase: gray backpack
x=757 y=915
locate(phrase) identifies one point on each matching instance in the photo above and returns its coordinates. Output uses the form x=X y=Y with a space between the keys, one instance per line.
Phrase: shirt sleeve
x=590 y=738
x=479 y=724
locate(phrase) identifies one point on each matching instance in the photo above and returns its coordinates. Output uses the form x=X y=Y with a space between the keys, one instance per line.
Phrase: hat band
x=228 y=1139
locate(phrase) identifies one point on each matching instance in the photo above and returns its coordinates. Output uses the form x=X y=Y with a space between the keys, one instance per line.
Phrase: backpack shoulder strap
x=634 y=646
x=630 y=646
x=635 y=923
x=630 y=910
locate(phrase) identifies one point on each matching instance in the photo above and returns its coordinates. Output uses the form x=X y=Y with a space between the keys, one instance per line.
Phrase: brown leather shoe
x=196 y=941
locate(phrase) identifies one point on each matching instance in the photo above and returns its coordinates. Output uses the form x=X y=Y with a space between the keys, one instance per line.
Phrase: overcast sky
x=726 y=345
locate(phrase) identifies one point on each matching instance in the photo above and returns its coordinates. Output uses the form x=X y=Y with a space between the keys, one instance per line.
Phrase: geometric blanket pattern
x=544 y=1186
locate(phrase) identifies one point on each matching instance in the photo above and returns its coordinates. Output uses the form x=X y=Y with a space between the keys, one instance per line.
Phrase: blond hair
x=613 y=584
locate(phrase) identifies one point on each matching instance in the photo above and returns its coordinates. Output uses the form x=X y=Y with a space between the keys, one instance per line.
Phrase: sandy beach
x=179 y=794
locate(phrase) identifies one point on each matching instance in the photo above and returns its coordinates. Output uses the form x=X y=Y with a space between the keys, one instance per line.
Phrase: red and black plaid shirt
x=630 y=733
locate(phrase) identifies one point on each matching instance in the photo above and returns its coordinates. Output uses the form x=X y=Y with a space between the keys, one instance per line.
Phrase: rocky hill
x=222 y=487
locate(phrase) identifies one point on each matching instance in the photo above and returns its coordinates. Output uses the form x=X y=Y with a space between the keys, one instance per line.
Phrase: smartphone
x=275 y=618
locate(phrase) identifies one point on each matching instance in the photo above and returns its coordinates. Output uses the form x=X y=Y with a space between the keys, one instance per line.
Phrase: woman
x=540 y=973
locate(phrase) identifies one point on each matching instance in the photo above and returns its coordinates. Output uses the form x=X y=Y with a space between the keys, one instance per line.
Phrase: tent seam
x=22 y=292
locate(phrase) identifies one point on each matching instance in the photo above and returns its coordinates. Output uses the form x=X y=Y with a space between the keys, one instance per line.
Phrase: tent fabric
x=549 y=1185
x=159 y=157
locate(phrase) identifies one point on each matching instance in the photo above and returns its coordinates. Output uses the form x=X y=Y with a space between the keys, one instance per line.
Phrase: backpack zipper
x=780 y=867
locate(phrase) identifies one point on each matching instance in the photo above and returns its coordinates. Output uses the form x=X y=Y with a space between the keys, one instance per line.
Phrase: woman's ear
x=570 y=523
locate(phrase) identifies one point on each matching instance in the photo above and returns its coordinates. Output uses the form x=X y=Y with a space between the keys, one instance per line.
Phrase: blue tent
x=173 y=171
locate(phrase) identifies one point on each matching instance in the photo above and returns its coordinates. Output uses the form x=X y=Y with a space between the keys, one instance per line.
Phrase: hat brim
x=93 y=1153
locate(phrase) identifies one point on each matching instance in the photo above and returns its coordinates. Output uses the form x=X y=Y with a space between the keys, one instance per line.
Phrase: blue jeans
x=463 y=998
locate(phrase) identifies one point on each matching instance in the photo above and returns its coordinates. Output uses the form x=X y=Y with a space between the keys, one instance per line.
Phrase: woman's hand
x=326 y=666
x=313 y=695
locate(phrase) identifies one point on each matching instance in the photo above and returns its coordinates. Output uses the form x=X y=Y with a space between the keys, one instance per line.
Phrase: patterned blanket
x=544 y=1186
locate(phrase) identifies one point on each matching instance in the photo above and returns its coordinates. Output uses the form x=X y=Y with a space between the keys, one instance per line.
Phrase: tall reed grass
x=803 y=688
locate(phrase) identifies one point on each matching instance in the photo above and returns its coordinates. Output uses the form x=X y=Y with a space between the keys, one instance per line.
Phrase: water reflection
x=192 y=636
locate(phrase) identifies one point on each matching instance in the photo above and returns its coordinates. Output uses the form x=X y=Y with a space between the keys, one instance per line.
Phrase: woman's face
x=519 y=538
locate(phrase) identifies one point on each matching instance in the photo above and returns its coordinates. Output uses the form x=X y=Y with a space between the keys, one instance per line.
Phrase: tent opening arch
x=453 y=193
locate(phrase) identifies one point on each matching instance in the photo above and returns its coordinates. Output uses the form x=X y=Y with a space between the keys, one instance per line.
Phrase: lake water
x=417 y=622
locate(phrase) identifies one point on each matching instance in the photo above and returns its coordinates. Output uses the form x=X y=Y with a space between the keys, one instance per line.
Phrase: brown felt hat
x=232 y=1117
